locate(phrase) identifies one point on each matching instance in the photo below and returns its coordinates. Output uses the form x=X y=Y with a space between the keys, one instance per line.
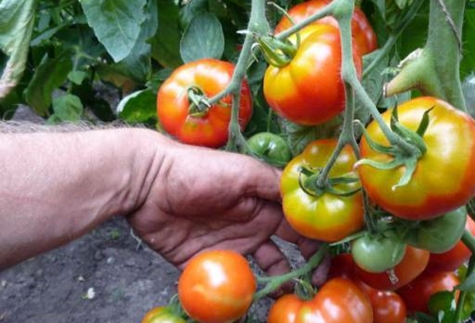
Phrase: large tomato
x=285 y=309
x=338 y=300
x=417 y=293
x=443 y=179
x=362 y=31
x=412 y=265
x=309 y=90
x=321 y=215
x=204 y=126
x=453 y=258
x=216 y=286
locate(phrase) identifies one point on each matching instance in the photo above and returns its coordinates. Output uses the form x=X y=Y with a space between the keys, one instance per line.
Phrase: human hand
x=208 y=199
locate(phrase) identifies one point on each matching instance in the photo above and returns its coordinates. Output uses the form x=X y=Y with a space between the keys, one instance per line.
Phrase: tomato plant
x=270 y=147
x=216 y=286
x=290 y=89
x=362 y=31
x=452 y=259
x=417 y=293
x=322 y=214
x=442 y=180
x=182 y=112
x=412 y=265
x=161 y=314
x=379 y=252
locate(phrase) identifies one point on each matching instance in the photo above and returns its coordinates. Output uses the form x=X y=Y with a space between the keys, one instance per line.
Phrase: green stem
x=469 y=241
x=274 y=282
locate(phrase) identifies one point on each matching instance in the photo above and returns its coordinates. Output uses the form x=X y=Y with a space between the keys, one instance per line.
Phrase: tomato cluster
x=392 y=201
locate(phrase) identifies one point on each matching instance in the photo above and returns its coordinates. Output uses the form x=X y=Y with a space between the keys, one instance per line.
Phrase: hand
x=209 y=199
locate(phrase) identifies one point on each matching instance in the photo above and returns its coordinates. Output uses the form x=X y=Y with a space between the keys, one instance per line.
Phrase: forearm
x=57 y=186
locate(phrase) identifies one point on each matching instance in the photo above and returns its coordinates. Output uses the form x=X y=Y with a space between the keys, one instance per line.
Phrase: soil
x=105 y=276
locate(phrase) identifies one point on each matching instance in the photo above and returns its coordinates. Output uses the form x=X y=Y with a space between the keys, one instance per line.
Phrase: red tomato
x=209 y=127
x=338 y=300
x=309 y=90
x=453 y=258
x=417 y=293
x=362 y=32
x=216 y=286
x=443 y=179
x=285 y=309
x=412 y=265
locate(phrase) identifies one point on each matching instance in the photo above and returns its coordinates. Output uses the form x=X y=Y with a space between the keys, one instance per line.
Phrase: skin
x=57 y=187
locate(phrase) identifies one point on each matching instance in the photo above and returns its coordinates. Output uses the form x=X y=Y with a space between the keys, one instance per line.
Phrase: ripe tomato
x=285 y=309
x=417 y=293
x=216 y=286
x=180 y=118
x=443 y=180
x=338 y=300
x=324 y=216
x=309 y=90
x=453 y=258
x=362 y=32
x=412 y=265
x=161 y=314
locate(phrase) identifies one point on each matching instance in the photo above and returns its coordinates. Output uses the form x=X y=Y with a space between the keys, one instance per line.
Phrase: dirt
x=105 y=276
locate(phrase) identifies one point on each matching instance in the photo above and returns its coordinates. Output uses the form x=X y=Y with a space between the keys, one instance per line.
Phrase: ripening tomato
x=321 y=215
x=192 y=123
x=309 y=90
x=161 y=314
x=412 y=265
x=417 y=293
x=453 y=258
x=443 y=178
x=216 y=286
x=338 y=300
x=362 y=31
x=285 y=309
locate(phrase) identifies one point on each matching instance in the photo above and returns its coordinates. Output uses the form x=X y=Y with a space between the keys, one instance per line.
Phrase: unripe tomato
x=216 y=286
x=161 y=314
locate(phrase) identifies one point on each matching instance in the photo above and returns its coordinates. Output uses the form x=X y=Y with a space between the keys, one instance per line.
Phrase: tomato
x=216 y=286
x=183 y=120
x=453 y=258
x=338 y=300
x=378 y=253
x=271 y=148
x=161 y=314
x=285 y=309
x=362 y=31
x=443 y=179
x=417 y=294
x=388 y=306
x=321 y=215
x=436 y=235
x=412 y=265
x=309 y=90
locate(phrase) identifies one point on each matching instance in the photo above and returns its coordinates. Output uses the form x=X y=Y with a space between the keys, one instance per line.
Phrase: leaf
x=468 y=284
x=467 y=65
x=203 y=38
x=50 y=74
x=17 y=19
x=116 y=24
x=191 y=10
x=138 y=107
x=166 y=43
x=68 y=108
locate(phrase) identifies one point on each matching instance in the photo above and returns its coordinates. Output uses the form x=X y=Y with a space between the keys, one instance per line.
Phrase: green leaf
x=138 y=107
x=166 y=43
x=203 y=38
x=116 y=24
x=17 y=18
x=77 y=76
x=467 y=65
x=50 y=74
x=191 y=10
x=468 y=285
x=68 y=108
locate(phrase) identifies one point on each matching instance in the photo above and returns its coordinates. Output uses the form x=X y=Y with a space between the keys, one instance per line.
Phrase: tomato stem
x=272 y=283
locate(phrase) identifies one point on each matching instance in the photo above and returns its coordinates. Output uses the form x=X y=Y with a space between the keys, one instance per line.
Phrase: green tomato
x=436 y=235
x=271 y=148
x=378 y=253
